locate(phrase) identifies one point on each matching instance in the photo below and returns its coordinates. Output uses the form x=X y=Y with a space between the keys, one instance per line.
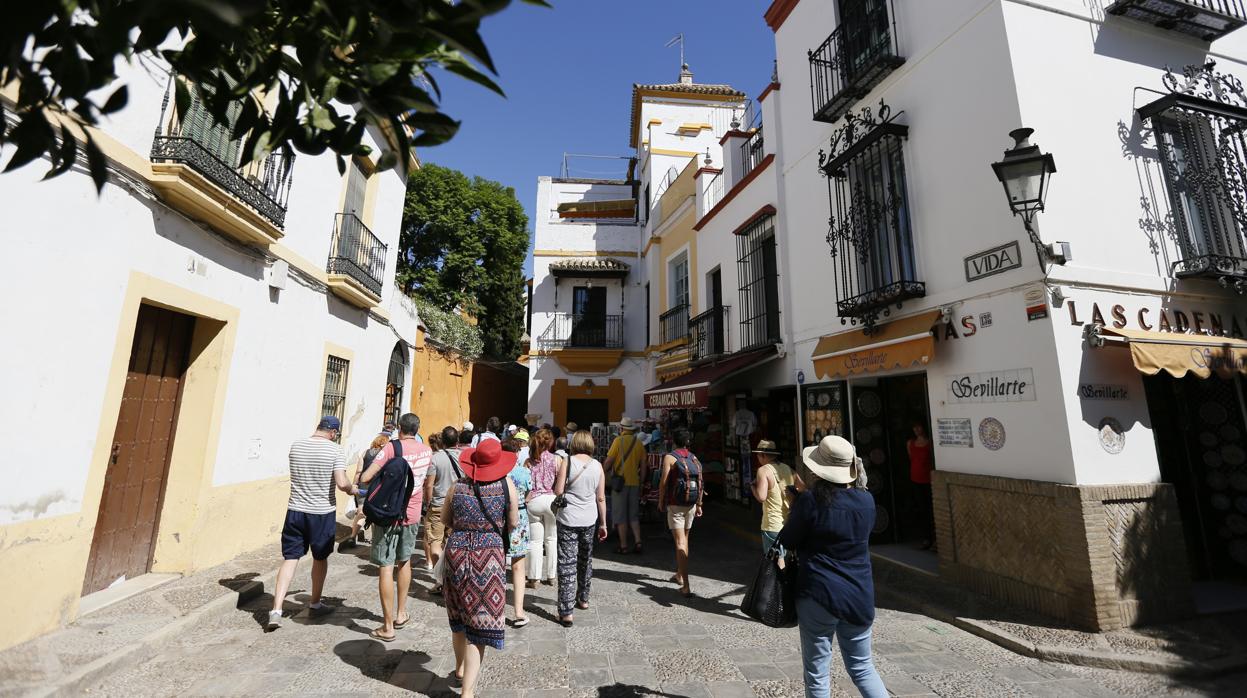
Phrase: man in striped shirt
x=317 y=466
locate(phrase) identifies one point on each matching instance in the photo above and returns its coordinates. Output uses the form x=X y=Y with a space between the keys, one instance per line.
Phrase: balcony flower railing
x=714 y=191
x=357 y=253
x=708 y=334
x=750 y=153
x=673 y=324
x=210 y=149
x=1208 y=20
x=860 y=53
x=583 y=330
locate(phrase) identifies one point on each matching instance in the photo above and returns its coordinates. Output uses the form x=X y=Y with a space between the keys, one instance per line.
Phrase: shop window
x=396 y=380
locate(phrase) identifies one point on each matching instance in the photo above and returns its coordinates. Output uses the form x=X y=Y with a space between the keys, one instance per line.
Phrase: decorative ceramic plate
x=1112 y=436
x=1230 y=432
x=992 y=434
x=1237 y=524
x=1220 y=502
x=1212 y=413
x=864 y=436
x=869 y=404
x=1207 y=439
x=1233 y=454
x=876 y=429
x=1212 y=459
x=882 y=519
x=1238 y=482
x=877 y=456
x=824 y=400
x=1217 y=480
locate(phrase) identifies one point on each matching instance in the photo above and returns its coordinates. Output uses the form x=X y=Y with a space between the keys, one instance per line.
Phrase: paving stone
x=698 y=643
x=906 y=686
x=686 y=690
x=543 y=647
x=730 y=689
x=581 y=660
x=778 y=688
x=416 y=681
x=792 y=670
x=589 y=678
x=761 y=672
x=622 y=659
x=974 y=684
x=524 y=672
x=686 y=666
x=547 y=693
x=636 y=676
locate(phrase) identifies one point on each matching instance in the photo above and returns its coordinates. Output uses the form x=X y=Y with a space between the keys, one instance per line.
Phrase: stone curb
x=77 y=682
x=1065 y=655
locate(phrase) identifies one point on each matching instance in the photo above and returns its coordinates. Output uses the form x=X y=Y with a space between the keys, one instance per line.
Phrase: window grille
x=758 y=271
x=334 y=399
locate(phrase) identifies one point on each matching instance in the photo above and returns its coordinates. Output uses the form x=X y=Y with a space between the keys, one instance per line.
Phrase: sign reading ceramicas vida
x=678 y=399
x=997 y=260
x=1017 y=385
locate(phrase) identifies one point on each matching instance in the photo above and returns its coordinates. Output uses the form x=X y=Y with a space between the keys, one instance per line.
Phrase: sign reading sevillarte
x=694 y=397
x=1017 y=385
x=1103 y=391
x=997 y=260
x=954 y=432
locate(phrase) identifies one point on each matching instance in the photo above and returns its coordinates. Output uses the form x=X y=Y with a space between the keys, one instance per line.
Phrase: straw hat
x=767 y=446
x=487 y=462
x=834 y=459
x=626 y=424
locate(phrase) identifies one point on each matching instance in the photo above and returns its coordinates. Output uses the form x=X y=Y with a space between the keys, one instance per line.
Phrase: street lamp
x=1024 y=172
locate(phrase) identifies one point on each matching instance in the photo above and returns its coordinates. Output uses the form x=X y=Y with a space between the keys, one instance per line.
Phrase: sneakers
x=274 y=620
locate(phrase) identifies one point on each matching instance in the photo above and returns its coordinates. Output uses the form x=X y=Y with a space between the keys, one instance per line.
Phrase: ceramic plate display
x=1212 y=459
x=1207 y=439
x=1237 y=524
x=869 y=404
x=864 y=436
x=1220 y=502
x=1212 y=413
x=1112 y=436
x=1233 y=454
x=1238 y=482
x=1230 y=432
x=877 y=456
x=992 y=434
x=876 y=429
x=1217 y=480
x=882 y=519
x=824 y=400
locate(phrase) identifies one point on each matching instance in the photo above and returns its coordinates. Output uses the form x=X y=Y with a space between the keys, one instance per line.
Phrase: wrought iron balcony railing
x=714 y=191
x=750 y=153
x=708 y=336
x=860 y=53
x=1206 y=19
x=673 y=324
x=584 y=330
x=356 y=252
x=1199 y=129
x=869 y=235
x=211 y=150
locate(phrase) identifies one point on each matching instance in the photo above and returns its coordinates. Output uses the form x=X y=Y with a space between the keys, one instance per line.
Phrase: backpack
x=387 y=498
x=686 y=491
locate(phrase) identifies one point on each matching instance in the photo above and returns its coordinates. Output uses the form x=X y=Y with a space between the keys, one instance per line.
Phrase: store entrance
x=1201 y=441
x=885 y=411
x=586 y=413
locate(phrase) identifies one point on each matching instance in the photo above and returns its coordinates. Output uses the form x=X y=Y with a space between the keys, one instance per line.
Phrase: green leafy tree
x=462 y=247
x=373 y=54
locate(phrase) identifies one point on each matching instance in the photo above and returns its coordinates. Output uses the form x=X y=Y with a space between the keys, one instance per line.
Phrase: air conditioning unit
x=276 y=274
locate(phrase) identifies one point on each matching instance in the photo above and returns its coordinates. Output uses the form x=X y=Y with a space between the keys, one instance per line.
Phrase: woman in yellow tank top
x=771 y=487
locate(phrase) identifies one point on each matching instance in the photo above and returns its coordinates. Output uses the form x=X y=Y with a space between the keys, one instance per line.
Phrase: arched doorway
x=395 y=381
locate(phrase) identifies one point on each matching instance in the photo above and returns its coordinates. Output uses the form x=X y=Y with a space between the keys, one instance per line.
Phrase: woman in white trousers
x=542 y=528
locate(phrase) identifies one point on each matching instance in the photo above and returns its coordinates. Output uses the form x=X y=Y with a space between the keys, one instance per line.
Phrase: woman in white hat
x=829 y=529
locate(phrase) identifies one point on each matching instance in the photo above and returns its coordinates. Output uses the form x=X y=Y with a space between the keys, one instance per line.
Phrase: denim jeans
x=818 y=626
x=769 y=539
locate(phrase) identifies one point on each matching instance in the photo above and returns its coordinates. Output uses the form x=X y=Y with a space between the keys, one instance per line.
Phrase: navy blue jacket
x=831 y=542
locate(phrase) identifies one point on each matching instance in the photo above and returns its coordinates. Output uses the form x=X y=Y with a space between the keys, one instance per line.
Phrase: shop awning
x=692 y=390
x=614 y=208
x=898 y=344
x=1179 y=354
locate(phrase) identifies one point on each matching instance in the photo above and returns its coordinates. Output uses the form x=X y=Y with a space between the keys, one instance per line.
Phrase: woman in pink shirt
x=542 y=528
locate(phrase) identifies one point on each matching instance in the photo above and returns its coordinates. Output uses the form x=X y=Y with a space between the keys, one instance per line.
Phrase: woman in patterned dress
x=480 y=508
x=517 y=551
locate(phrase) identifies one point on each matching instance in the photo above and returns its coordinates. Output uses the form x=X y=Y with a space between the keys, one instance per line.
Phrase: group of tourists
x=533 y=502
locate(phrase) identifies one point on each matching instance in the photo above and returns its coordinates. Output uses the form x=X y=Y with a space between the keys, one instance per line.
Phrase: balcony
x=858 y=55
x=584 y=342
x=1207 y=20
x=195 y=168
x=751 y=153
x=356 y=265
x=708 y=334
x=673 y=325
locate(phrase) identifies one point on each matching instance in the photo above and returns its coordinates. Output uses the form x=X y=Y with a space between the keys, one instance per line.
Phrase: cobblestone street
x=640 y=638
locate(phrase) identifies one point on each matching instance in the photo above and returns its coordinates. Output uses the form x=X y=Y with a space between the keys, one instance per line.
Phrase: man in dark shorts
x=317 y=465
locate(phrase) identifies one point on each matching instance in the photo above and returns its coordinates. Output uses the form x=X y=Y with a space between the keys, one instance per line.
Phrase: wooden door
x=134 y=484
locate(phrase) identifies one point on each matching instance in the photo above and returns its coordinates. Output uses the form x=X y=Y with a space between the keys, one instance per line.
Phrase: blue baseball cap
x=330 y=422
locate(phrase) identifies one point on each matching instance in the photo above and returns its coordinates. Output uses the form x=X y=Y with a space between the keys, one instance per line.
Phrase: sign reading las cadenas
x=678 y=399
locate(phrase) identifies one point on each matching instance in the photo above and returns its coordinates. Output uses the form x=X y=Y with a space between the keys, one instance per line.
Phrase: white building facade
x=197 y=319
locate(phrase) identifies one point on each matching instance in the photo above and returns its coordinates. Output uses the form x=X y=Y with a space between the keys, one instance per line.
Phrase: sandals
x=583 y=606
x=519 y=622
x=637 y=549
x=566 y=622
x=436 y=590
x=620 y=550
x=376 y=635
x=398 y=624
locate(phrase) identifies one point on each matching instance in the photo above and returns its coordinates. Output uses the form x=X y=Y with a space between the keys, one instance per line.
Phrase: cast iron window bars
x=708 y=334
x=583 y=330
x=333 y=400
x=356 y=252
x=1199 y=128
x=858 y=55
x=674 y=323
x=1208 y=20
x=869 y=228
x=211 y=149
x=758 y=271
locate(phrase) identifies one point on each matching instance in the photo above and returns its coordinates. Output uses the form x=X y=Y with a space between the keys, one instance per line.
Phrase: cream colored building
x=169 y=337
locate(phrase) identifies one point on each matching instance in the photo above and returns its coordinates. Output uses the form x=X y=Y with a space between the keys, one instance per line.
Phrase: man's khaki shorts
x=434 y=529
x=681 y=517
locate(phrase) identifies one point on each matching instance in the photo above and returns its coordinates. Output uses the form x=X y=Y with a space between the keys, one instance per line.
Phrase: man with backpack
x=625 y=461
x=680 y=493
x=317 y=465
x=444 y=472
x=393 y=510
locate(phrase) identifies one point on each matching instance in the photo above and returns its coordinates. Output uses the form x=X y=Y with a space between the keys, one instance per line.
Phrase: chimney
x=686 y=75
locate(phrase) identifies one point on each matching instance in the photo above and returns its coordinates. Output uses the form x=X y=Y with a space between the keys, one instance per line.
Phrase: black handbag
x=773 y=597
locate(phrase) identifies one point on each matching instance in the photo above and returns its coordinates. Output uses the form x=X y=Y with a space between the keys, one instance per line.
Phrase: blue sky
x=568 y=74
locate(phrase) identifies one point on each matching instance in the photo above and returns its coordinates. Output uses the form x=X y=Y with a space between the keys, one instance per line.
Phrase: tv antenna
x=678 y=39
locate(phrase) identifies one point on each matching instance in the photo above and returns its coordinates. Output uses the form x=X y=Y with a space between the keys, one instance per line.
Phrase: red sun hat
x=487 y=462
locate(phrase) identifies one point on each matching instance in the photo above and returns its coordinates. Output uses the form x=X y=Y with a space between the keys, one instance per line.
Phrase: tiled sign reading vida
x=1017 y=385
